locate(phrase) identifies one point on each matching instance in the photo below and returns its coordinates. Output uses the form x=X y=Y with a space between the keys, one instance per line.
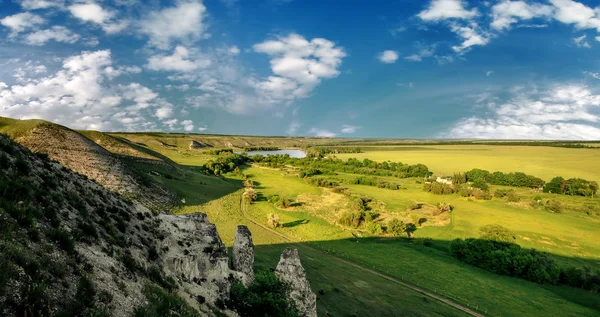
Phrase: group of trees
x=496 y=251
x=319 y=152
x=224 y=163
x=516 y=179
x=438 y=188
x=571 y=186
x=354 y=166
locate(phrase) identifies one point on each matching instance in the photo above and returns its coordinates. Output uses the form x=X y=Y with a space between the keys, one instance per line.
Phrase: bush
x=497 y=233
x=374 y=228
x=352 y=218
x=554 y=206
x=266 y=296
x=162 y=303
x=506 y=259
x=396 y=227
x=481 y=184
x=250 y=194
x=273 y=221
x=438 y=188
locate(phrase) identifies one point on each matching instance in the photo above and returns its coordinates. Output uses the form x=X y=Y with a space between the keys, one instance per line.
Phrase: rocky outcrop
x=242 y=259
x=196 y=256
x=290 y=271
x=194 y=145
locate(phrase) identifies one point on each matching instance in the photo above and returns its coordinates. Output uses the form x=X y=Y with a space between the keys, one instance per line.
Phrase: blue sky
x=401 y=69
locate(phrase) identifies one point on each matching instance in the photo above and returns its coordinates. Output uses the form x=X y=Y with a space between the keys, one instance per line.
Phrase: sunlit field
x=543 y=162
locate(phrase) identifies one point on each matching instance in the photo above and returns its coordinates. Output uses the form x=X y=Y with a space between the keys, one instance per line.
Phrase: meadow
x=543 y=162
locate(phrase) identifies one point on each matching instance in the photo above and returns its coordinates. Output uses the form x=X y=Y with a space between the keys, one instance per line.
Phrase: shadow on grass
x=295 y=223
x=434 y=251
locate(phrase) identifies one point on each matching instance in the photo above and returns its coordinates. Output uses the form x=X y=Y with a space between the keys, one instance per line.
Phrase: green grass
x=543 y=162
x=17 y=128
x=435 y=269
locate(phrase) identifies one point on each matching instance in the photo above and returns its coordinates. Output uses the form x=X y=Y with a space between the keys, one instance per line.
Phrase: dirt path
x=389 y=278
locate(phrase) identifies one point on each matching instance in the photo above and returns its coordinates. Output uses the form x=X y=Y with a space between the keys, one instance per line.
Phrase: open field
x=540 y=161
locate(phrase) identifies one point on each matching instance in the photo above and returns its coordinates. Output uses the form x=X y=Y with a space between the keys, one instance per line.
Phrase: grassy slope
x=16 y=128
x=544 y=162
x=431 y=268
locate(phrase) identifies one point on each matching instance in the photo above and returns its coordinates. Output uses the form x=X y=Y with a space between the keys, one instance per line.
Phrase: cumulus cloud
x=446 y=9
x=180 y=61
x=94 y=13
x=55 y=33
x=423 y=52
x=185 y=22
x=21 y=21
x=388 y=56
x=41 y=4
x=347 y=129
x=188 y=125
x=578 y=14
x=322 y=133
x=565 y=112
x=80 y=95
x=508 y=12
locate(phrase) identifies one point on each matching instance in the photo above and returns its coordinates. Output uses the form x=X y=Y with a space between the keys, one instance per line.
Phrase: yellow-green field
x=540 y=161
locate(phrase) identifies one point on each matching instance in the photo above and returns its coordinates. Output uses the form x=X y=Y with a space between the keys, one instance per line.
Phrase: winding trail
x=363 y=268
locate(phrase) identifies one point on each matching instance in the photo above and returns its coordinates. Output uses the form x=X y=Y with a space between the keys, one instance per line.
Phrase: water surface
x=292 y=153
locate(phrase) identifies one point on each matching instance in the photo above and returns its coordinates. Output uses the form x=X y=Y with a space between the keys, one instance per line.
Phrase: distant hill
x=110 y=161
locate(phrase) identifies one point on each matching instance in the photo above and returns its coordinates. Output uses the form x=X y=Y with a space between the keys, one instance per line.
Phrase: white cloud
x=81 y=96
x=388 y=57
x=182 y=22
x=582 y=16
x=409 y=84
x=94 y=13
x=446 y=9
x=598 y=38
x=56 y=33
x=21 y=21
x=41 y=4
x=188 y=125
x=322 y=133
x=509 y=12
x=566 y=112
x=349 y=128
x=298 y=66
x=202 y=129
x=581 y=42
x=471 y=34
x=489 y=73
x=91 y=42
x=177 y=62
x=396 y=31
x=422 y=53
x=234 y=50
x=164 y=112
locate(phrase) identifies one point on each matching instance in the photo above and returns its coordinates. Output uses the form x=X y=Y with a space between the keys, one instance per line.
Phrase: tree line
x=352 y=165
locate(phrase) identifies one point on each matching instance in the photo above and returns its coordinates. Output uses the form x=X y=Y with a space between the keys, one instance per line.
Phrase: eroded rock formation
x=290 y=271
x=243 y=255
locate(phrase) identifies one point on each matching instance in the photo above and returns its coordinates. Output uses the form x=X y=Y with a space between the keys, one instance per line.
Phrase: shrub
x=161 y=303
x=352 y=218
x=480 y=183
x=266 y=296
x=374 y=228
x=554 y=206
x=250 y=194
x=506 y=259
x=396 y=227
x=438 y=188
x=273 y=221
x=497 y=233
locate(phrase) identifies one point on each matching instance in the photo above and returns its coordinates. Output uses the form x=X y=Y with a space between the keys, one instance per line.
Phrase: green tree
x=396 y=227
x=497 y=233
